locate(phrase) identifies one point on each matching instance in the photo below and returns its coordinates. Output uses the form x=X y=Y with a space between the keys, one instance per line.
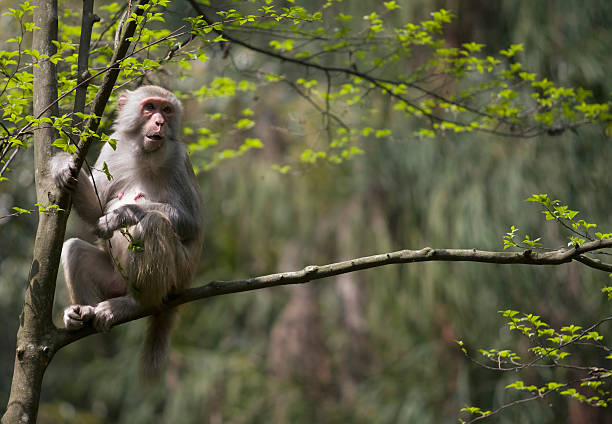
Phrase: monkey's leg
x=111 y=311
x=152 y=273
x=90 y=278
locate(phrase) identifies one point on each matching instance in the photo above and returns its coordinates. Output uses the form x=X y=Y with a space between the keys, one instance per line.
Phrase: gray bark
x=36 y=330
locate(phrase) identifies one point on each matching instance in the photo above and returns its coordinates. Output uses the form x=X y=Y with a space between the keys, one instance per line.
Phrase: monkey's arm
x=183 y=221
x=84 y=197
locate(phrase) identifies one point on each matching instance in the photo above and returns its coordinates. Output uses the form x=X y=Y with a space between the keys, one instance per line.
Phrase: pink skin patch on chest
x=138 y=196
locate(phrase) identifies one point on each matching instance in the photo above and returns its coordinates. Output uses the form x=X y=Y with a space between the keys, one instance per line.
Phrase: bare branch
x=309 y=99
x=9 y=160
x=87 y=22
x=594 y=263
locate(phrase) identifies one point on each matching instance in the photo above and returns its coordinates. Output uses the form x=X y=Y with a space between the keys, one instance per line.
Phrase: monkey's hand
x=106 y=225
x=63 y=171
x=76 y=316
x=104 y=317
x=124 y=216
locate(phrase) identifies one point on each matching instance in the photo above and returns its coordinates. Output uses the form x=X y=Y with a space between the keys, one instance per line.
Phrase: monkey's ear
x=123 y=99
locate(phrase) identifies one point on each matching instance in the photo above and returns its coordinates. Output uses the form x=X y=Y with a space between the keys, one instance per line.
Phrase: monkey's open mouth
x=153 y=142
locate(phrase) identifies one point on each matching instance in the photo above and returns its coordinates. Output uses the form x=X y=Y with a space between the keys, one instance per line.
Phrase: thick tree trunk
x=35 y=346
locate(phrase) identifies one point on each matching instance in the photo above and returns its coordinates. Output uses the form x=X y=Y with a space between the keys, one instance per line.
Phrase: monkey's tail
x=156 y=343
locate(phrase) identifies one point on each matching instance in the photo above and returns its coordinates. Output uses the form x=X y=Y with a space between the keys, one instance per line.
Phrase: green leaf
x=244 y=124
x=383 y=133
x=21 y=211
x=391 y=5
x=282 y=169
x=473 y=47
x=253 y=143
x=510 y=52
x=608 y=291
x=136 y=245
x=113 y=143
x=109 y=176
x=341 y=17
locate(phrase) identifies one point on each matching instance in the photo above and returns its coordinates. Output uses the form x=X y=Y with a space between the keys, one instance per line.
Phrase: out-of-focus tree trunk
x=297 y=350
x=35 y=346
x=356 y=354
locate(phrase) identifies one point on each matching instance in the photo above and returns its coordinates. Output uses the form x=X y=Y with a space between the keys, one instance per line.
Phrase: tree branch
x=594 y=263
x=379 y=83
x=87 y=22
x=316 y=272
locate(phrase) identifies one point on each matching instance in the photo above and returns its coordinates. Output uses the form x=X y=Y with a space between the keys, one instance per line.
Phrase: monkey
x=147 y=219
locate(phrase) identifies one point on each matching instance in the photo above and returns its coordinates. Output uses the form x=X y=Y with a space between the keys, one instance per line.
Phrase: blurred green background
x=371 y=347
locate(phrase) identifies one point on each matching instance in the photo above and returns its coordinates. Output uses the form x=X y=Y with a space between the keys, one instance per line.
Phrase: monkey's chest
x=136 y=195
x=132 y=196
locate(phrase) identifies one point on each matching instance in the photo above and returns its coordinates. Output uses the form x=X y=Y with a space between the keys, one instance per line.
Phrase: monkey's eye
x=167 y=109
x=149 y=106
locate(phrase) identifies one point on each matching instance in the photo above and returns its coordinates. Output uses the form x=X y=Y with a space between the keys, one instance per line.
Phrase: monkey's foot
x=104 y=317
x=76 y=316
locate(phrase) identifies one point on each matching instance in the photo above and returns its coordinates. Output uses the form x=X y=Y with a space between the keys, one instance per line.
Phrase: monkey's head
x=150 y=115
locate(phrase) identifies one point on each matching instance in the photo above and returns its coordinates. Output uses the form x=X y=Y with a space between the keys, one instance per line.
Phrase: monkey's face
x=156 y=113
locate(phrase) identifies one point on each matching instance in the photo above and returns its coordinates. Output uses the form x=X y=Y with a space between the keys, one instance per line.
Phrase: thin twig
x=9 y=160
x=315 y=105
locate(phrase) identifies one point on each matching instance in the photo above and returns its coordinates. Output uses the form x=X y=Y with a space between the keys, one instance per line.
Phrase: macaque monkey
x=148 y=220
